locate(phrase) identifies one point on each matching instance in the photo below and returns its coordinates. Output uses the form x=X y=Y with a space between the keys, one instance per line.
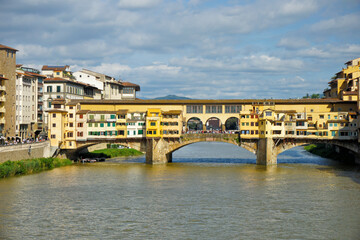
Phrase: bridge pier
x=157 y=151
x=266 y=153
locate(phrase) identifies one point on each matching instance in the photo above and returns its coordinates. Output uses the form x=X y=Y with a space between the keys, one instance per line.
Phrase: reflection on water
x=210 y=191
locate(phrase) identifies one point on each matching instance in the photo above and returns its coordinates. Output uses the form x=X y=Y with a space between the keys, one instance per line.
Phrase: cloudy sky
x=209 y=49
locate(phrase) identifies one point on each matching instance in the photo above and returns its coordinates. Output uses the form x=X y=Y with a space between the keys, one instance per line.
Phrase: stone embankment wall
x=21 y=151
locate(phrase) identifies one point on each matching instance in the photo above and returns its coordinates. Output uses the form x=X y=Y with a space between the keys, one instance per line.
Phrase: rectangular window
x=112 y=116
x=49 y=89
x=71 y=115
x=194 y=109
x=128 y=90
x=214 y=109
x=81 y=116
x=101 y=124
x=108 y=124
x=268 y=114
x=113 y=124
x=58 y=88
x=232 y=108
x=152 y=123
x=53 y=136
x=54 y=124
x=102 y=117
x=140 y=132
x=90 y=124
x=91 y=117
x=54 y=115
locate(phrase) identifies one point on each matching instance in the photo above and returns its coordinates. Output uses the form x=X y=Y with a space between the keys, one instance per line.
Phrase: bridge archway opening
x=232 y=124
x=297 y=154
x=194 y=124
x=213 y=124
x=213 y=152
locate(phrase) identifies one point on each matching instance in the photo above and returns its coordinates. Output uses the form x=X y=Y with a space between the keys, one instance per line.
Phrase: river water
x=210 y=191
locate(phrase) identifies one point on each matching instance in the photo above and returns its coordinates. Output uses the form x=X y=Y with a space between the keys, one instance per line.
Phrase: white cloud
x=314 y=52
x=293 y=43
x=337 y=24
x=163 y=68
x=112 y=69
x=136 y=4
x=195 y=47
x=298 y=7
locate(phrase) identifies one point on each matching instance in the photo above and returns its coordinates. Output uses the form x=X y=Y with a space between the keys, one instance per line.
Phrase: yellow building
x=344 y=85
x=171 y=123
x=121 y=125
x=91 y=120
x=153 y=123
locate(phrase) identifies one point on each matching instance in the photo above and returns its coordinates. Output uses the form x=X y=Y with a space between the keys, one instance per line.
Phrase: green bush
x=12 y=168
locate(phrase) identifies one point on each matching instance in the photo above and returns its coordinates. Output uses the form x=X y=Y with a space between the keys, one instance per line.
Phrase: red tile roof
x=55 y=68
x=6 y=47
x=3 y=78
x=36 y=74
x=129 y=84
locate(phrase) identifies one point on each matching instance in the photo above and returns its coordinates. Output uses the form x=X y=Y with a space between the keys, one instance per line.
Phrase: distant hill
x=171 y=97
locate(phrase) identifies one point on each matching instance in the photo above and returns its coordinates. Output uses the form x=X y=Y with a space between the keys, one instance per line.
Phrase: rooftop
x=209 y=101
x=6 y=47
x=55 y=68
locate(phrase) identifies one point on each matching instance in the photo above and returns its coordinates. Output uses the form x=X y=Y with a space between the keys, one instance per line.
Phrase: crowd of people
x=210 y=131
x=16 y=140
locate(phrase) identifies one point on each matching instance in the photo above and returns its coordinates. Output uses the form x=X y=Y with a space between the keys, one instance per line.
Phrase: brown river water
x=210 y=191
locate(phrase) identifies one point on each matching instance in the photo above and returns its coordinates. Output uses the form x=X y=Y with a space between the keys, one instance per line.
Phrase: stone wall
x=21 y=151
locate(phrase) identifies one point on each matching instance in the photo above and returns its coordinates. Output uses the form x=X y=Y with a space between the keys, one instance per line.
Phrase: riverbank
x=325 y=151
x=112 y=152
x=28 y=166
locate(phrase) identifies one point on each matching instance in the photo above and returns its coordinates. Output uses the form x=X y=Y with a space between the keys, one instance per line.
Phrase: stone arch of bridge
x=287 y=145
x=137 y=145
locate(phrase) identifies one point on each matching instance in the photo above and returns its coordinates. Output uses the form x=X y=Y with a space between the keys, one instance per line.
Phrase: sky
x=203 y=49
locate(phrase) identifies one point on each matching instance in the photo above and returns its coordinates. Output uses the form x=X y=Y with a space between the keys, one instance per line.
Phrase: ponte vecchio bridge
x=160 y=127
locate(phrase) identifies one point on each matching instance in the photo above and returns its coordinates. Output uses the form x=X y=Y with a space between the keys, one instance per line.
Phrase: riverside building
x=7 y=90
x=110 y=88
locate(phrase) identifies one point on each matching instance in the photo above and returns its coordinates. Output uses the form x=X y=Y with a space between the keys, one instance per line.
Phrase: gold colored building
x=277 y=119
